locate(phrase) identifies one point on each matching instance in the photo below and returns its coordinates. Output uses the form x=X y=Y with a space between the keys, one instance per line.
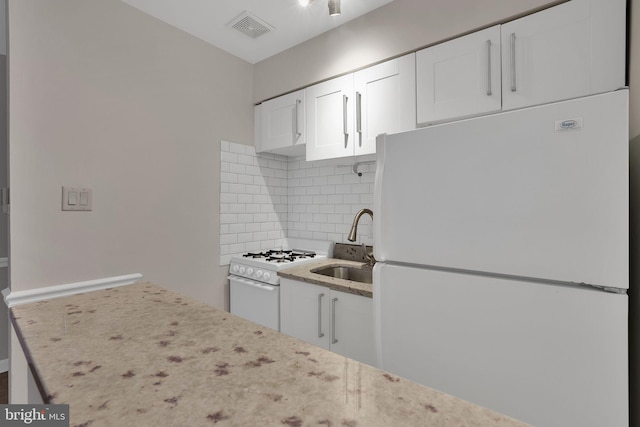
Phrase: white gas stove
x=263 y=266
x=253 y=278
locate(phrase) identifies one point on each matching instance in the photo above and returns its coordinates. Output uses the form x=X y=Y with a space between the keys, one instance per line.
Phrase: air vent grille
x=250 y=25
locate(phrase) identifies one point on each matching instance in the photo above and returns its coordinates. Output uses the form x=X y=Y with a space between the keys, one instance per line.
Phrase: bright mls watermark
x=34 y=415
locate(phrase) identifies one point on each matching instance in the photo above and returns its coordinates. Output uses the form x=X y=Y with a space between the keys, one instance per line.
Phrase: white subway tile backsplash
x=228 y=239
x=228 y=218
x=246 y=160
x=237 y=168
x=250 y=200
x=228 y=157
x=245 y=179
x=236 y=188
x=245 y=237
x=253 y=227
x=265 y=198
x=235 y=228
x=228 y=177
x=238 y=148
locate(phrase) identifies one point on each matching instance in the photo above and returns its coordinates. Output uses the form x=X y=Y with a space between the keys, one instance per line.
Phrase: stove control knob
x=259 y=274
x=235 y=268
x=266 y=276
x=249 y=271
x=242 y=270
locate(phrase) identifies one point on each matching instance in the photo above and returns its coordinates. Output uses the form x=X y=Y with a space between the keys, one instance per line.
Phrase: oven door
x=255 y=301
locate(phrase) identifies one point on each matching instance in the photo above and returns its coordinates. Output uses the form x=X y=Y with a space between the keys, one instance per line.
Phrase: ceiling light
x=304 y=3
x=334 y=7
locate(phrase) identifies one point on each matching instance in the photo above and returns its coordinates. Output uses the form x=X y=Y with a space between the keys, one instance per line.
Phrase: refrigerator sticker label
x=569 y=124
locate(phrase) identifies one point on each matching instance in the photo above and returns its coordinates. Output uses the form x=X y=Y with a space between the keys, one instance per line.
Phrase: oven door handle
x=261 y=286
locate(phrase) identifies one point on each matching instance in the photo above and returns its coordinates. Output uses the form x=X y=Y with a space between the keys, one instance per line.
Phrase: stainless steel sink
x=356 y=274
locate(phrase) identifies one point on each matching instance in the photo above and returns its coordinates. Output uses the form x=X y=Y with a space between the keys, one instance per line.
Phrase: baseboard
x=13 y=299
x=4 y=366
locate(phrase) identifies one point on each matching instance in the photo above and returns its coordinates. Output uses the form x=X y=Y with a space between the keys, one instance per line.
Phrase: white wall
x=105 y=96
x=396 y=28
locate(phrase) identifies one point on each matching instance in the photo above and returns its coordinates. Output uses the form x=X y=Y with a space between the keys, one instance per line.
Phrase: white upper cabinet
x=345 y=114
x=280 y=124
x=460 y=77
x=385 y=101
x=329 y=113
x=574 y=49
x=567 y=51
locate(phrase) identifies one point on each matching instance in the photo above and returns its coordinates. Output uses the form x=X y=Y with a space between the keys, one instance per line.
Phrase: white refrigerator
x=503 y=255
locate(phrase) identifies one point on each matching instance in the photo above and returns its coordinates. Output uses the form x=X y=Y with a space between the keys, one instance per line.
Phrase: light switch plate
x=77 y=199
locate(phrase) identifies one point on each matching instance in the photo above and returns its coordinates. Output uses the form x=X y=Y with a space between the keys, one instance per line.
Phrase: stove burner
x=281 y=259
x=280 y=255
x=303 y=254
x=272 y=252
x=253 y=255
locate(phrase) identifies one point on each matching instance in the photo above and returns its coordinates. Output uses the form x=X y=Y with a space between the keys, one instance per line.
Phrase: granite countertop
x=145 y=356
x=303 y=273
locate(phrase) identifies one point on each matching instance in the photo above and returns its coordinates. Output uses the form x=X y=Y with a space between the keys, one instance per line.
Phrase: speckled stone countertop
x=140 y=355
x=303 y=273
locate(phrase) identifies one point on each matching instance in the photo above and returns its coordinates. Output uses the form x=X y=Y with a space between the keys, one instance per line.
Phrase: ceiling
x=290 y=24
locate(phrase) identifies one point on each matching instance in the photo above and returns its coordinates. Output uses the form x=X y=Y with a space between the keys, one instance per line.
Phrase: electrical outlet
x=77 y=199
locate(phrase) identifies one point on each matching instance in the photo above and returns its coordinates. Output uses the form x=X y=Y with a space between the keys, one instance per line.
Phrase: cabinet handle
x=320 y=333
x=359 y=116
x=298 y=134
x=333 y=321
x=345 y=99
x=489 y=92
x=513 y=62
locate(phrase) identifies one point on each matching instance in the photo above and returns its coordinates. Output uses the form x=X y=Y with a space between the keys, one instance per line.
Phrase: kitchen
x=158 y=214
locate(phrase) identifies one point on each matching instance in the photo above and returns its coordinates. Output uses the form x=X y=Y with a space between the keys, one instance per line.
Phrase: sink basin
x=346 y=272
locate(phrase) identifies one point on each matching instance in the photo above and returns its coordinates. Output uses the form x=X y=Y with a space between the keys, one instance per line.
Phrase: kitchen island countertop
x=145 y=356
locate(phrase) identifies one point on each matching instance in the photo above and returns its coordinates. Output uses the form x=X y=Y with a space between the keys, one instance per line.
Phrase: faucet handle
x=369 y=255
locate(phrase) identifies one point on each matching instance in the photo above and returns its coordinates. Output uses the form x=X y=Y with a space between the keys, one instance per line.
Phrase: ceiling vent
x=250 y=25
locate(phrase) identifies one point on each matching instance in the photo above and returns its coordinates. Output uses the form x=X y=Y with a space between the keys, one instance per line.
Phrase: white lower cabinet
x=338 y=321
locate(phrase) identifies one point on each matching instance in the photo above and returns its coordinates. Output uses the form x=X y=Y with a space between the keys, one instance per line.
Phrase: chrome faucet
x=354 y=230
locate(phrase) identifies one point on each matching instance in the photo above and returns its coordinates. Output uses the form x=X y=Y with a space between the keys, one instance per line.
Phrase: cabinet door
x=385 y=101
x=352 y=327
x=329 y=114
x=460 y=77
x=304 y=311
x=567 y=51
x=282 y=125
